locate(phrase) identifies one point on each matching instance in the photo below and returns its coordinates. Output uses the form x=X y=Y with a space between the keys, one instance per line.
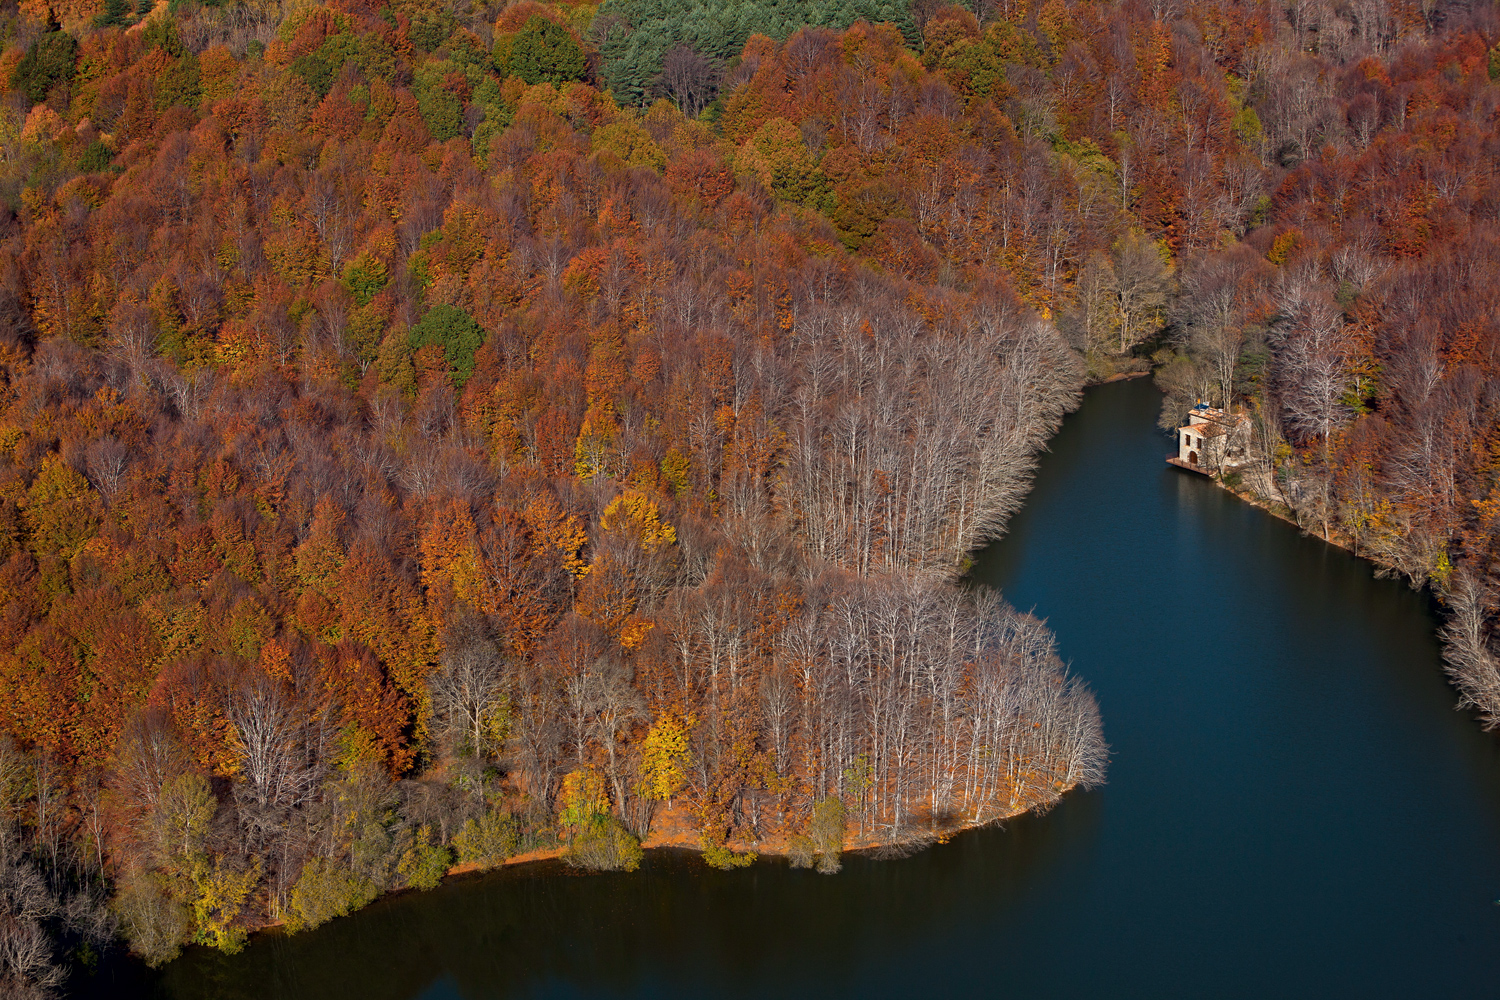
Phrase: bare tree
x=1313 y=369
x=1210 y=308
x=468 y=688
x=1141 y=283
x=1470 y=663
x=885 y=468
x=270 y=742
x=106 y=460
x=690 y=79
x=537 y=729
x=620 y=705
x=920 y=698
x=27 y=971
x=1093 y=319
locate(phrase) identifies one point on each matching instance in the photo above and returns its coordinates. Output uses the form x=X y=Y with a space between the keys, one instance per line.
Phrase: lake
x=1294 y=807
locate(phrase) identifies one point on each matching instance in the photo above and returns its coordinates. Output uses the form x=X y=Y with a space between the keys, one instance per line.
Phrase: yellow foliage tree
x=778 y=157
x=665 y=757
x=276 y=661
x=634 y=630
x=630 y=142
x=62 y=510
x=183 y=812
x=554 y=528
x=634 y=515
x=219 y=894
x=450 y=564
x=607 y=595
x=582 y=802
x=69 y=13
x=320 y=557
x=42 y=125
x=591 y=451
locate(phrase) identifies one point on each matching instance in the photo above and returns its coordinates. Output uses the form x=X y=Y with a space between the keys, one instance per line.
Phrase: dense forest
x=433 y=433
x=1360 y=323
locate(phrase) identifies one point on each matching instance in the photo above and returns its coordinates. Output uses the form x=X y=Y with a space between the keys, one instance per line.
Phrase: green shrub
x=180 y=84
x=497 y=118
x=544 y=52
x=155 y=924
x=116 y=13
x=456 y=332
x=320 y=68
x=424 y=864
x=326 y=889
x=49 y=60
x=162 y=32
x=419 y=269
x=489 y=840
x=364 y=277
x=429 y=29
x=634 y=36
x=826 y=831
x=720 y=857
x=441 y=109
x=96 y=157
x=605 y=846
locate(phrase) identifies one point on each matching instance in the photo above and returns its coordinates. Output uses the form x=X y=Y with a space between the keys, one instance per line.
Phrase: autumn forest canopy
x=433 y=433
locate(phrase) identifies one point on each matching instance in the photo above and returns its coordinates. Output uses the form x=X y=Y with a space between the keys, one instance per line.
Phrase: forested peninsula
x=438 y=432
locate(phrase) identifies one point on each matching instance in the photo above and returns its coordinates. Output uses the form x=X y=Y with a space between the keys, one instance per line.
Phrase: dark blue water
x=1294 y=807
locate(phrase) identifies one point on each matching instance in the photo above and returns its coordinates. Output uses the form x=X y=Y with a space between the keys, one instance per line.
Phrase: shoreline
x=683 y=835
x=1282 y=512
x=672 y=829
x=1337 y=539
x=1120 y=377
x=687 y=837
x=684 y=838
x=678 y=835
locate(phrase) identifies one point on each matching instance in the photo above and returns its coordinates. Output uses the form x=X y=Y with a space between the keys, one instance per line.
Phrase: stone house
x=1211 y=440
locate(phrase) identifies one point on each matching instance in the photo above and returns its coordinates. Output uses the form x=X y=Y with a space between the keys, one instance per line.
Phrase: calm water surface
x=1294 y=807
